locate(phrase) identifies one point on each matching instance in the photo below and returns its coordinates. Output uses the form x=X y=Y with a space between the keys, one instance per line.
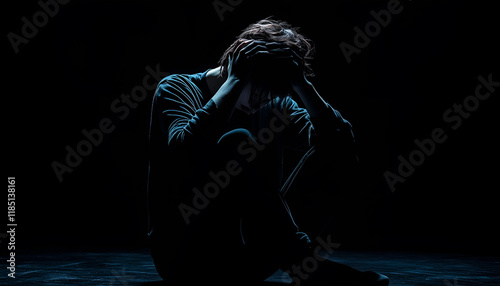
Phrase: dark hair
x=271 y=30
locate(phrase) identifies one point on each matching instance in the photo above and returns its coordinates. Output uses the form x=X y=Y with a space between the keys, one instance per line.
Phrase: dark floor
x=136 y=268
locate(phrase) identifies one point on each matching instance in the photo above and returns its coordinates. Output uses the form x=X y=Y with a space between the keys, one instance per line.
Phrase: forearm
x=325 y=119
x=209 y=122
x=313 y=102
x=227 y=95
x=174 y=98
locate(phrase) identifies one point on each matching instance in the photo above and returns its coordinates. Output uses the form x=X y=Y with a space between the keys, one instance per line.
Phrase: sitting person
x=215 y=191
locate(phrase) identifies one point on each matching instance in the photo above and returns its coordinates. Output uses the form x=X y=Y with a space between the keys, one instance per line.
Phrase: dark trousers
x=244 y=232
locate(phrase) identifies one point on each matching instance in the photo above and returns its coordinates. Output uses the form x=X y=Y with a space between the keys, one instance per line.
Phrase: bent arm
x=325 y=119
x=321 y=125
x=184 y=115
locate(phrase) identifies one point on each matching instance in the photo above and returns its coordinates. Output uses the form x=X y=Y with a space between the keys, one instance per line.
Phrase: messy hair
x=271 y=30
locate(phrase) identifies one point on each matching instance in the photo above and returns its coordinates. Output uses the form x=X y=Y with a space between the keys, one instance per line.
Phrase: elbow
x=176 y=141
x=180 y=140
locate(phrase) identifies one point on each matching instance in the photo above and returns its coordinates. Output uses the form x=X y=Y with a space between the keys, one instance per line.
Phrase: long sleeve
x=329 y=137
x=185 y=113
x=304 y=132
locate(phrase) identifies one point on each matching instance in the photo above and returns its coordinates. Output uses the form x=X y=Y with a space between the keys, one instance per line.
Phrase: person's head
x=271 y=30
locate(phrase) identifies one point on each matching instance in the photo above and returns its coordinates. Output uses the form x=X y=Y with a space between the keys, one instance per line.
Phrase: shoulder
x=175 y=80
x=179 y=84
x=287 y=103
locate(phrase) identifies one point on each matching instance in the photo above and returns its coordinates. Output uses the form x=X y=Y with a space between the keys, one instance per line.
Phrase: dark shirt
x=186 y=125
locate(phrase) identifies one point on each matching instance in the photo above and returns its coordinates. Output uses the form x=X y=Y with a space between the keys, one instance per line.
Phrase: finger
x=255 y=50
x=278 y=45
x=253 y=45
x=286 y=50
x=230 y=62
x=290 y=55
x=295 y=54
x=275 y=45
x=260 y=57
x=248 y=43
x=259 y=42
x=242 y=45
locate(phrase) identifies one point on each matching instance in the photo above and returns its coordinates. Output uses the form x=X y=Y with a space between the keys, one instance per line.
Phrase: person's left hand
x=293 y=64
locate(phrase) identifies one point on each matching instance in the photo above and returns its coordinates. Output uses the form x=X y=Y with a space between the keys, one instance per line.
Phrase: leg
x=244 y=231
x=268 y=232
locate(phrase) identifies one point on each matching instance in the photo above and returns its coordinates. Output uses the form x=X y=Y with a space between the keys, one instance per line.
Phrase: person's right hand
x=247 y=53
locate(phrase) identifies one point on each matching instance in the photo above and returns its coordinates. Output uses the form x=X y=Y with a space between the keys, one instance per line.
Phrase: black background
x=393 y=92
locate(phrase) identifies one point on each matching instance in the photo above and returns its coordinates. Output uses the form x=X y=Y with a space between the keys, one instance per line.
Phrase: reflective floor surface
x=137 y=268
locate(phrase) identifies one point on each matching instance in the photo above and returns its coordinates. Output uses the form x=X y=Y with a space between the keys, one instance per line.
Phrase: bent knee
x=235 y=137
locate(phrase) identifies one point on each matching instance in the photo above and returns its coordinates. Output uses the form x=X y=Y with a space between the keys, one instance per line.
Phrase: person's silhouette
x=215 y=189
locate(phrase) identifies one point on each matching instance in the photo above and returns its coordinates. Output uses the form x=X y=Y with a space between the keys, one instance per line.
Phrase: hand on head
x=269 y=69
x=264 y=61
